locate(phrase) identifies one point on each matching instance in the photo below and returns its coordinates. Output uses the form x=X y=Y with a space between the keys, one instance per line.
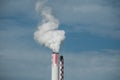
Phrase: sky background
x=91 y=48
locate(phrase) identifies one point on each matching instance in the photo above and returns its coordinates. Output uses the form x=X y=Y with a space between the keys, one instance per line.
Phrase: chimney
x=55 y=65
x=61 y=68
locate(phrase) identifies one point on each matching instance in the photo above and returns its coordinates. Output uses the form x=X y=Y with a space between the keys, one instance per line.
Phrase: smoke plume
x=47 y=33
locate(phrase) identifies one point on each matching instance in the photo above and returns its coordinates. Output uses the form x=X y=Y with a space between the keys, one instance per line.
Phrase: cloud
x=13 y=28
x=96 y=17
x=22 y=59
x=20 y=11
x=12 y=33
x=31 y=64
x=24 y=65
x=92 y=65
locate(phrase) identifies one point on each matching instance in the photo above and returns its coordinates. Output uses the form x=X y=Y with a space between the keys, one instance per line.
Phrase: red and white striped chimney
x=55 y=65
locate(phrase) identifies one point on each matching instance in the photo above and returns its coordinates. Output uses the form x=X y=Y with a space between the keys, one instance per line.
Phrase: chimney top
x=61 y=57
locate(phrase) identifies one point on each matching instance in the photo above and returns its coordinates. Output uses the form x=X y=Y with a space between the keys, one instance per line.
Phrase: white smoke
x=47 y=33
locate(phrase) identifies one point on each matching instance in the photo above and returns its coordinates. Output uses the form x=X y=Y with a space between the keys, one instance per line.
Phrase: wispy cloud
x=20 y=58
x=92 y=65
x=96 y=17
x=99 y=17
x=31 y=64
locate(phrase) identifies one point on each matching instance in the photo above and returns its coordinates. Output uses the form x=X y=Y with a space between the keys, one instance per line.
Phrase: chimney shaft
x=61 y=69
x=55 y=65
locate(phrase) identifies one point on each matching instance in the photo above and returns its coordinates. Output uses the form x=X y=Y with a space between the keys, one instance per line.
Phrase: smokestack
x=61 y=68
x=49 y=35
x=55 y=66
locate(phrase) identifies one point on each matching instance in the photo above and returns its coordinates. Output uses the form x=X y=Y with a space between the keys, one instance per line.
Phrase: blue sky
x=91 y=48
